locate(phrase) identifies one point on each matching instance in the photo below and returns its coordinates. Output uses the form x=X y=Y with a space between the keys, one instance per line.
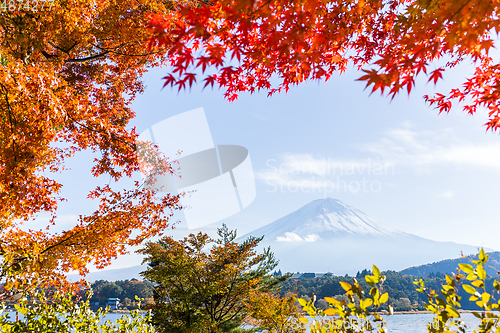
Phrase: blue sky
x=436 y=176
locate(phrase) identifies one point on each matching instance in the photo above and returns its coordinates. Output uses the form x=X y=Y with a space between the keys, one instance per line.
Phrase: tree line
x=401 y=289
x=403 y=294
x=125 y=290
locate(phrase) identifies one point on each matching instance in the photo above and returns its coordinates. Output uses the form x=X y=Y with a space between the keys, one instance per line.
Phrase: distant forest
x=449 y=266
x=401 y=289
x=125 y=290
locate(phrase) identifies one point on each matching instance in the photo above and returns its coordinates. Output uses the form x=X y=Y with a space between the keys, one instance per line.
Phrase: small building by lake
x=113 y=303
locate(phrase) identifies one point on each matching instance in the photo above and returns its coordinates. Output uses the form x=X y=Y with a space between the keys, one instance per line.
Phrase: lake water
x=407 y=323
x=417 y=323
x=110 y=316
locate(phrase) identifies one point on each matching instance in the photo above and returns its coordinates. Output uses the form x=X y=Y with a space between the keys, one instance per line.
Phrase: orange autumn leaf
x=68 y=75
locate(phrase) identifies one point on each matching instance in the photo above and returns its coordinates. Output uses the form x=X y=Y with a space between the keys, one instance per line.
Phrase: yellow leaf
x=345 y=285
x=331 y=300
x=481 y=273
x=330 y=312
x=384 y=298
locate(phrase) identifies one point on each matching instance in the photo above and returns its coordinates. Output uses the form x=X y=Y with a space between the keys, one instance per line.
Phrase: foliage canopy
x=274 y=44
x=202 y=284
x=68 y=75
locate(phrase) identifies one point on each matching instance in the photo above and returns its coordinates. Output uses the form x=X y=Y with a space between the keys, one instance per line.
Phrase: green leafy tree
x=202 y=284
x=109 y=290
x=102 y=290
x=132 y=288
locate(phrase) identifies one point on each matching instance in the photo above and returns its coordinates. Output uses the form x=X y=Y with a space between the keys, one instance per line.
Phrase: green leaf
x=466 y=268
x=478 y=315
x=469 y=289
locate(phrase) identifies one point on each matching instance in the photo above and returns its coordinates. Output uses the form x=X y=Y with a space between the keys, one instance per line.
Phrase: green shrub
x=60 y=313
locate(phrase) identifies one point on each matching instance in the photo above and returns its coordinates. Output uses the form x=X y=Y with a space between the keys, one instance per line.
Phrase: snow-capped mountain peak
x=335 y=216
x=328 y=235
x=323 y=218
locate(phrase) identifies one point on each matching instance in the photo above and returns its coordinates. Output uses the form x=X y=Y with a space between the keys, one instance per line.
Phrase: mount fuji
x=328 y=235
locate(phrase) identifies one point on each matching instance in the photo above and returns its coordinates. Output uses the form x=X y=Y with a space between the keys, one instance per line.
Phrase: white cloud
x=293 y=237
x=311 y=238
x=400 y=148
x=289 y=237
x=426 y=149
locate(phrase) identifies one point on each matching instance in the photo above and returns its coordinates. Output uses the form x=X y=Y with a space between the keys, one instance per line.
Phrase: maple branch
x=61 y=242
x=9 y=112
x=112 y=135
x=462 y=7
x=104 y=52
x=443 y=29
x=64 y=50
x=77 y=122
x=97 y=56
x=136 y=55
x=251 y=16
x=95 y=219
x=48 y=55
x=228 y=299
x=112 y=50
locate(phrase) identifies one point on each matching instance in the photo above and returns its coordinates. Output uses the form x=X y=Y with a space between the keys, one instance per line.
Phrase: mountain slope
x=330 y=217
x=450 y=265
x=327 y=235
x=127 y=273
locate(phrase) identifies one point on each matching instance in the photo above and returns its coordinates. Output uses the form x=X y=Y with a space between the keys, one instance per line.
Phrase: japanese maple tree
x=68 y=74
x=272 y=44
